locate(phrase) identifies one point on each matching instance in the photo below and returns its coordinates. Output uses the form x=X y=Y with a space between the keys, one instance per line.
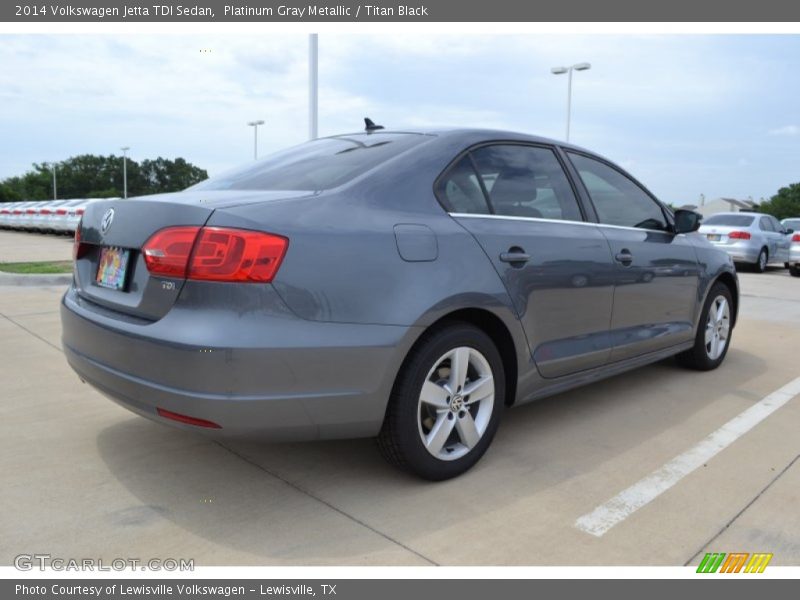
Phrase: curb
x=35 y=280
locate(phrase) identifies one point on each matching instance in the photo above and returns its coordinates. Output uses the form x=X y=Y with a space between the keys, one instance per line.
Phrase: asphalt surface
x=82 y=477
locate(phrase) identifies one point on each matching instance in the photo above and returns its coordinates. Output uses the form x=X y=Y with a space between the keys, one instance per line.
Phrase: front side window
x=617 y=199
x=776 y=225
x=526 y=181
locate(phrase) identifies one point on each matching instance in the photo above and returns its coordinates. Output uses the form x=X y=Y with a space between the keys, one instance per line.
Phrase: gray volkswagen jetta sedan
x=401 y=285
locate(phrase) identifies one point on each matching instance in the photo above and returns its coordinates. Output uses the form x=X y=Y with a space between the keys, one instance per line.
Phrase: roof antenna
x=370 y=125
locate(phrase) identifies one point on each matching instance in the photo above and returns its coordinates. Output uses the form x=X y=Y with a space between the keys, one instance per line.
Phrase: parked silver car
x=751 y=238
x=402 y=285
x=793 y=264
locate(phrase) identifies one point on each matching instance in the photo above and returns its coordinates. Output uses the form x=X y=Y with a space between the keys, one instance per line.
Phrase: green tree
x=784 y=204
x=8 y=193
x=91 y=176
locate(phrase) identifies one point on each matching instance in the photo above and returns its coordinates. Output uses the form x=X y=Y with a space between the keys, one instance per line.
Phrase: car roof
x=471 y=135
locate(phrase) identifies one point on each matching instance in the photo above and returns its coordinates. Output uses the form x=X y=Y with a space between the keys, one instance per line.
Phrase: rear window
x=791 y=224
x=731 y=220
x=319 y=165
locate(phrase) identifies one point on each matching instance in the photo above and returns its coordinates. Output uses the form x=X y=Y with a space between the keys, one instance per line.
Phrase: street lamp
x=568 y=70
x=52 y=166
x=313 y=79
x=125 y=171
x=254 y=125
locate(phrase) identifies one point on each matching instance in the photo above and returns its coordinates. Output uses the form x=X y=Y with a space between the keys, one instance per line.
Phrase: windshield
x=732 y=220
x=318 y=165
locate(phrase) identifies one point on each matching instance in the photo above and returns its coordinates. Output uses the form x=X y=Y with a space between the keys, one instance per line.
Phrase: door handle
x=515 y=255
x=625 y=257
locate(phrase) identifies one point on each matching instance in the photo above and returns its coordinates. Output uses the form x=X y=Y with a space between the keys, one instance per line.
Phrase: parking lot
x=83 y=477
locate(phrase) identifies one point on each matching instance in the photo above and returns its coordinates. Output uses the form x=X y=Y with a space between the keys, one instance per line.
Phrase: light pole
x=254 y=125
x=125 y=171
x=313 y=77
x=568 y=70
x=53 y=169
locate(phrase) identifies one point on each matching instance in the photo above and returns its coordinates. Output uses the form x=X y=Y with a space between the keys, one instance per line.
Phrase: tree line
x=783 y=205
x=91 y=176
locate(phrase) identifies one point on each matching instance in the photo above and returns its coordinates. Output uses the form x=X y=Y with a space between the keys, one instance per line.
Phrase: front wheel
x=713 y=334
x=446 y=403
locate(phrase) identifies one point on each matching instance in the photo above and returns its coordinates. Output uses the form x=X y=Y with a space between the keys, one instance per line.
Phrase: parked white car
x=751 y=238
x=45 y=214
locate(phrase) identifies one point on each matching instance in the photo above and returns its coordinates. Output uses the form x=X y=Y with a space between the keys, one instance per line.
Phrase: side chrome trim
x=541 y=220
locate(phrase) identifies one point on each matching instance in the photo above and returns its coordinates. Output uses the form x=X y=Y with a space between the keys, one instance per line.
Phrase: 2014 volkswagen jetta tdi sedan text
x=404 y=285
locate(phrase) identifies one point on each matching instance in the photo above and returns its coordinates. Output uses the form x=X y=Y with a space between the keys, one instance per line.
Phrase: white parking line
x=624 y=504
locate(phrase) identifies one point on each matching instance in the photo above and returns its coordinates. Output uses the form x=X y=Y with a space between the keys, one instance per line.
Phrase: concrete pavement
x=84 y=477
x=18 y=246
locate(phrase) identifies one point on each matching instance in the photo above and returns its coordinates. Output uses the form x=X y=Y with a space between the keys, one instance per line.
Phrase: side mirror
x=687 y=221
x=789 y=231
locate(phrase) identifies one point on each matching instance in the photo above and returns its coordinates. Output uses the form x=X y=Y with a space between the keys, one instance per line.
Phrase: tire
x=761 y=262
x=467 y=424
x=704 y=355
x=794 y=271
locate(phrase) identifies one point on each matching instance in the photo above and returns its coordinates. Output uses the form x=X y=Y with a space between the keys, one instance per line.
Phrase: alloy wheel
x=455 y=403
x=718 y=327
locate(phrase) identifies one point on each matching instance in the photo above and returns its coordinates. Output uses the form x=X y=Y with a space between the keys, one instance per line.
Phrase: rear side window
x=526 y=181
x=517 y=181
x=617 y=198
x=729 y=220
x=318 y=165
x=461 y=191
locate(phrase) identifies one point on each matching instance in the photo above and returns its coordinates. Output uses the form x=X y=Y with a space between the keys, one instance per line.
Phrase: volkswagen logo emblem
x=108 y=218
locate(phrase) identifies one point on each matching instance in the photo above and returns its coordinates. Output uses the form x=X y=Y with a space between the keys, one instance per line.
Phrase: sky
x=717 y=115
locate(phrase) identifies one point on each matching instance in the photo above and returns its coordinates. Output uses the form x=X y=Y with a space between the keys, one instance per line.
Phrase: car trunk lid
x=113 y=232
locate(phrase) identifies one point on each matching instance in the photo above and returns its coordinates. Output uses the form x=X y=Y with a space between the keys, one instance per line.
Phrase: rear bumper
x=794 y=254
x=259 y=374
x=745 y=251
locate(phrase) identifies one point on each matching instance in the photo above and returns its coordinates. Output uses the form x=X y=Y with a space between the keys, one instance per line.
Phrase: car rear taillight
x=222 y=254
x=167 y=251
x=44 y=211
x=30 y=211
x=78 y=249
x=739 y=235
x=17 y=212
x=61 y=211
x=215 y=254
x=79 y=211
x=167 y=414
x=4 y=212
x=796 y=237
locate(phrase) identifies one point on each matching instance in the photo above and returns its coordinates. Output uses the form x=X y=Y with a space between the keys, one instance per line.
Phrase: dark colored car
x=404 y=285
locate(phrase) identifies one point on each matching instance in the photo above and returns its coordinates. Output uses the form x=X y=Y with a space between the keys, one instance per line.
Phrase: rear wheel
x=794 y=270
x=761 y=261
x=713 y=334
x=446 y=403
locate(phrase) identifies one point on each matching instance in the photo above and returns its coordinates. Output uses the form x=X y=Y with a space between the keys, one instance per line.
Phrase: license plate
x=112 y=268
x=713 y=237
